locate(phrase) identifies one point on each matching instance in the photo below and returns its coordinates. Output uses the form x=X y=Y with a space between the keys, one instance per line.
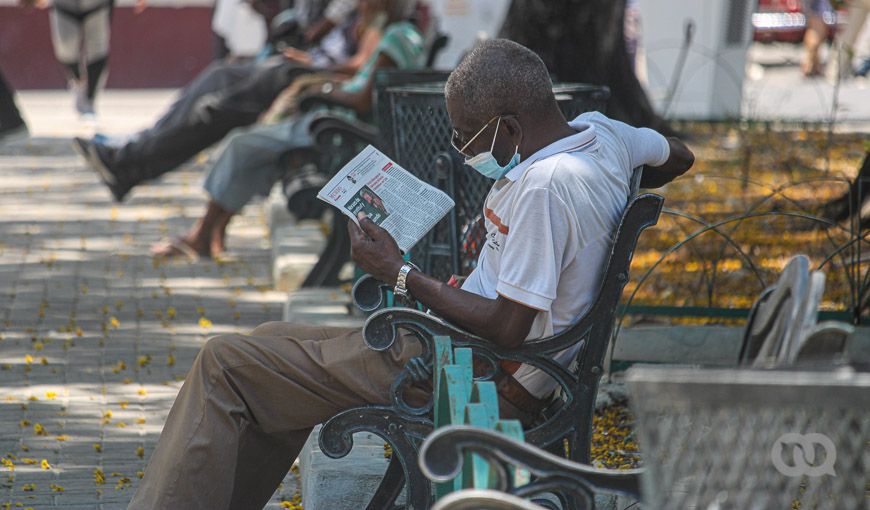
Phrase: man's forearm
x=504 y=322
x=680 y=161
x=479 y=315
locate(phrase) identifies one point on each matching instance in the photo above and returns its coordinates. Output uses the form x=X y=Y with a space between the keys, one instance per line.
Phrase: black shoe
x=96 y=155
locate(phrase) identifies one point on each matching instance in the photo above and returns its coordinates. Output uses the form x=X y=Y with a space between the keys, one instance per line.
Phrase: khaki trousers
x=248 y=405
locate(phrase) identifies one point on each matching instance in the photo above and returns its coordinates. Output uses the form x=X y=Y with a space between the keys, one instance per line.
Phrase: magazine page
x=400 y=203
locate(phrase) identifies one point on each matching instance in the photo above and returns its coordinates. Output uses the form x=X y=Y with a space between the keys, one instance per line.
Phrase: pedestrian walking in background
x=80 y=32
x=12 y=126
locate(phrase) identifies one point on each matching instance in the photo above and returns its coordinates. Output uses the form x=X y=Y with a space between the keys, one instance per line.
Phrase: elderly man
x=250 y=401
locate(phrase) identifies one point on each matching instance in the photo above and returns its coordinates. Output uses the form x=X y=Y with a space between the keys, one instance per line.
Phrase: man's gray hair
x=501 y=77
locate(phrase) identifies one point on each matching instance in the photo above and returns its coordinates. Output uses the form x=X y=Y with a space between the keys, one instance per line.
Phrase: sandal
x=176 y=248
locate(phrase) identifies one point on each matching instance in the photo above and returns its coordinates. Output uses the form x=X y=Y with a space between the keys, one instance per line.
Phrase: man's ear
x=515 y=130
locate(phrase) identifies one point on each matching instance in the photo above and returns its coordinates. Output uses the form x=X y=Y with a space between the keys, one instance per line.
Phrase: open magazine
x=400 y=203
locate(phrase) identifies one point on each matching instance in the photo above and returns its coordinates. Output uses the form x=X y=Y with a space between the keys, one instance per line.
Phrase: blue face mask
x=486 y=164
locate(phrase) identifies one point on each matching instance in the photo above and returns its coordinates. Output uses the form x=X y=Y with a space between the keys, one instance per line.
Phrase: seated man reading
x=250 y=401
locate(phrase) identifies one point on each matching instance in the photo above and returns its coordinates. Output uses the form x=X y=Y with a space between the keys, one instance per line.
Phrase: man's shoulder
x=559 y=170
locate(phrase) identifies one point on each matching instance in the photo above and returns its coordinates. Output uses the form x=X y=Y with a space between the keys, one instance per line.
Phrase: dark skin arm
x=679 y=162
x=504 y=322
x=361 y=101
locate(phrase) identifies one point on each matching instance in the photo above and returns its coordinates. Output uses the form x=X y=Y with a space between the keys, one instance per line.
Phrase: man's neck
x=545 y=135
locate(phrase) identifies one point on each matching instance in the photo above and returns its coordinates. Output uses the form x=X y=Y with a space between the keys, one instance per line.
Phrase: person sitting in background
x=248 y=162
x=249 y=402
x=222 y=97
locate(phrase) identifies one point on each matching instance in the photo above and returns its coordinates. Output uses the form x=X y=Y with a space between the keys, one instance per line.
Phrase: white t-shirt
x=549 y=224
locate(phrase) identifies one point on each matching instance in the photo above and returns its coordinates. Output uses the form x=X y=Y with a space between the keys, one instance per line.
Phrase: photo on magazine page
x=370 y=203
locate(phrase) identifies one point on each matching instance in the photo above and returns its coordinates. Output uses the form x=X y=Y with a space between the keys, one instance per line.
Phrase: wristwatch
x=400 y=289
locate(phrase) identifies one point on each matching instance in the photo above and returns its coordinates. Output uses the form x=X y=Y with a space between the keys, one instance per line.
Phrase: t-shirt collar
x=582 y=140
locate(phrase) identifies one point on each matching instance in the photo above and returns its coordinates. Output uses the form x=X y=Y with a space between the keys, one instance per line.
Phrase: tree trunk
x=583 y=41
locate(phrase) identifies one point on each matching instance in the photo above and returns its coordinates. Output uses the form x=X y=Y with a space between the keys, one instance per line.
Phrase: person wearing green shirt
x=247 y=164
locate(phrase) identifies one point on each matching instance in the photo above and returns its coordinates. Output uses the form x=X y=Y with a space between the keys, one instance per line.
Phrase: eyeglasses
x=457 y=142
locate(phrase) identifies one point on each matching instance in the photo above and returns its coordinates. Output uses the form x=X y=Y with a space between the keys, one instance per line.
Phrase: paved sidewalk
x=94 y=337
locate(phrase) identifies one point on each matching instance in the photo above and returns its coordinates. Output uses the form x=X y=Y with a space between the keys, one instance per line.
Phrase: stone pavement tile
x=95 y=337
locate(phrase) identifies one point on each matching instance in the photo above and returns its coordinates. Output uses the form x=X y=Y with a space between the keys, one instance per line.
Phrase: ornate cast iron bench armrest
x=383 y=327
x=325 y=126
x=311 y=102
x=445 y=449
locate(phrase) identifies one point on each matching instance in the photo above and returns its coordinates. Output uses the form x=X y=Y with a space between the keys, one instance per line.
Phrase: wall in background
x=164 y=46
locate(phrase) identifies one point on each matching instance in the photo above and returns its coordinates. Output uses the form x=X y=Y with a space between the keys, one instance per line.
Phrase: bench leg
x=404 y=435
x=389 y=488
x=333 y=257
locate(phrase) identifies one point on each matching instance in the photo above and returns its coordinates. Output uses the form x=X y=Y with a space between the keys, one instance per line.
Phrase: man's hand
x=374 y=250
x=297 y=55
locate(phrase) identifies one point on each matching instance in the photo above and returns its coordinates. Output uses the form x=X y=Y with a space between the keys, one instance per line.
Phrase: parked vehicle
x=785 y=21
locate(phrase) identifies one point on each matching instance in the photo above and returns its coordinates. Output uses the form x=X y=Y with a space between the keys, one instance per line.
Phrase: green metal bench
x=566 y=424
x=460 y=400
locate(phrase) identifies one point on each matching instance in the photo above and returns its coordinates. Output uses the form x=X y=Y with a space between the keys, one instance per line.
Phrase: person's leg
x=148 y=157
x=218 y=241
x=248 y=161
x=246 y=165
x=247 y=395
x=66 y=37
x=204 y=239
x=10 y=117
x=254 y=96
x=156 y=152
x=813 y=38
x=214 y=78
x=846 y=40
x=95 y=53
